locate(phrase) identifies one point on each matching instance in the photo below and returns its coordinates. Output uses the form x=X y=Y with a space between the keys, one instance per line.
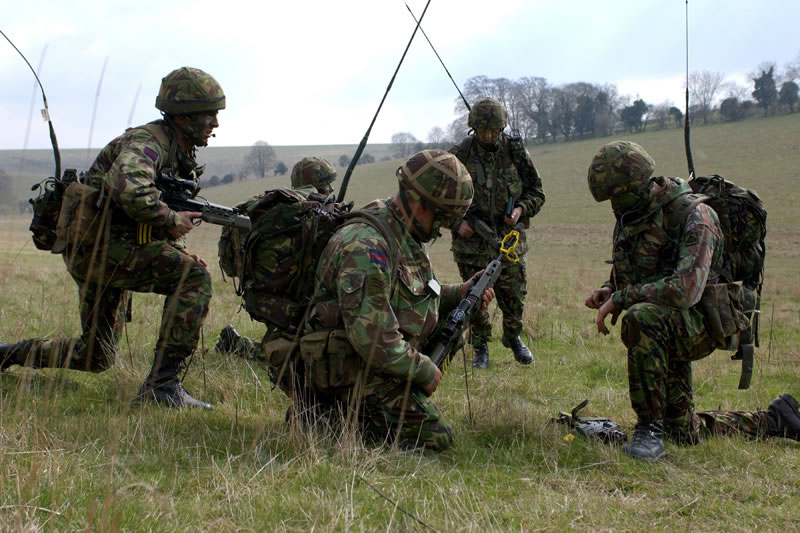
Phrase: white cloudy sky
x=314 y=71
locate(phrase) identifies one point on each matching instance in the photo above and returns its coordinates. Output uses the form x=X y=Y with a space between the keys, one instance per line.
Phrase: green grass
x=76 y=454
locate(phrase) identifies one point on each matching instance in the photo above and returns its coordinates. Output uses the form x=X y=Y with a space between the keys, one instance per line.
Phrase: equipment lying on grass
x=593 y=427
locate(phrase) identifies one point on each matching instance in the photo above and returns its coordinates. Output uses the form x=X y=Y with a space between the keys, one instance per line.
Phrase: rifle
x=457 y=319
x=593 y=427
x=178 y=194
x=488 y=234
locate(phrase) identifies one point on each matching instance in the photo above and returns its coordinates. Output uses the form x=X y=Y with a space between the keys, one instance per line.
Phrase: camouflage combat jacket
x=505 y=173
x=127 y=168
x=656 y=264
x=385 y=325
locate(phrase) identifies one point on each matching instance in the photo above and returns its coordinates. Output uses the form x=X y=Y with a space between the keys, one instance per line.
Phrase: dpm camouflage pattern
x=487 y=113
x=313 y=171
x=189 y=90
x=659 y=281
x=387 y=326
x=126 y=170
x=498 y=175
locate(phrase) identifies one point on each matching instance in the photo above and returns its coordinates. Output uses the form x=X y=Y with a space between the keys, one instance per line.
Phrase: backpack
x=276 y=260
x=743 y=221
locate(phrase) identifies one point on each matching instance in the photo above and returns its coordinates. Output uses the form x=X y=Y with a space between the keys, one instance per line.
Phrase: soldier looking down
x=508 y=190
x=141 y=246
x=666 y=263
x=376 y=308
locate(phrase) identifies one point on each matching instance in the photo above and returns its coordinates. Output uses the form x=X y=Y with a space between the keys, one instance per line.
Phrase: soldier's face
x=488 y=135
x=203 y=125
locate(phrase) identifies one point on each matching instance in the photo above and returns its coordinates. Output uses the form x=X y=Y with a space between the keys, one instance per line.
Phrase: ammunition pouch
x=83 y=218
x=722 y=306
x=329 y=360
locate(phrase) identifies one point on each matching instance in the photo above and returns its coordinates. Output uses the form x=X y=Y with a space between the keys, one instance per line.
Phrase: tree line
x=544 y=113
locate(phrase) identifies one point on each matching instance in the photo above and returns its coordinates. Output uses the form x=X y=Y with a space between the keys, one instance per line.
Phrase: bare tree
x=260 y=159
x=703 y=88
x=436 y=137
x=792 y=72
x=402 y=145
x=660 y=113
x=457 y=129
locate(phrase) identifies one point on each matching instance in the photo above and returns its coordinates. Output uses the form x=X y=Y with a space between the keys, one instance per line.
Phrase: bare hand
x=605 y=309
x=185 y=224
x=465 y=230
x=194 y=256
x=514 y=218
x=430 y=388
x=598 y=297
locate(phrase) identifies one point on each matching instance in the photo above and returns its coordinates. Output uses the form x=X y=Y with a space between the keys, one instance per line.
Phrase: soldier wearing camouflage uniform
x=504 y=174
x=310 y=172
x=143 y=250
x=376 y=289
x=659 y=280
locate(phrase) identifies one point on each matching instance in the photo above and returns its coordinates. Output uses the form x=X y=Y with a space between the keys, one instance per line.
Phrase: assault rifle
x=457 y=319
x=593 y=427
x=488 y=234
x=179 y=194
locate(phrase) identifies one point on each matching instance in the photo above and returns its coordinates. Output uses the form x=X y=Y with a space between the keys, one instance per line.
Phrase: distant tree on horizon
x=281 y=168
x=344 y=160
x=260 y=159
x=703 y=88
x=789 y=95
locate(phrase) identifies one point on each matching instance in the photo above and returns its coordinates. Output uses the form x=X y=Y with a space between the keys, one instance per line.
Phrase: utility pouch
x=81 y=219
x=330 y=360
x=722 y=306
x=313 y=350
x=278 y=350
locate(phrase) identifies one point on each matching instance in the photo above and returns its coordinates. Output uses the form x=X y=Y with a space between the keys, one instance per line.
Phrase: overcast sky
x=314 y=71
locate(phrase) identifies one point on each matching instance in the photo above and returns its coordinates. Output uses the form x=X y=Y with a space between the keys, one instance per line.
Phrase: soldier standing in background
x=143 y=248
x=312 y=172
x=659 y=281
x=508 y=190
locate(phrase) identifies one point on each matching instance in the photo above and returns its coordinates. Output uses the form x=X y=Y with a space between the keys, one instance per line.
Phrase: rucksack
x=743 y=221
x=276 y=260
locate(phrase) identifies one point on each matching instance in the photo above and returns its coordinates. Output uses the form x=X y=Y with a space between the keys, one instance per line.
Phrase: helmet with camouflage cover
x=441 y=183
x=487 y=113
x=621 y=172
x=314 y=171
x=187 y=90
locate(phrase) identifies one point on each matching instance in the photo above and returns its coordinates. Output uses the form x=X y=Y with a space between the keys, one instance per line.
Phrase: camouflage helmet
x=487 y=113
x=314 y=171
x=189 y=90
x=620 y=172
x=439 y=181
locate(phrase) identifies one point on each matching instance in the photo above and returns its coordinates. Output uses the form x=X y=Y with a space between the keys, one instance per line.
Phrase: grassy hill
x=76 y=454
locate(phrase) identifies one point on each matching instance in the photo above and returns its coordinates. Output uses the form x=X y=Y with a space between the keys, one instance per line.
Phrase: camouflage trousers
x=386 y=409
x=660 y=355
x=510 y=292
x=156 y=267
x=248 y=348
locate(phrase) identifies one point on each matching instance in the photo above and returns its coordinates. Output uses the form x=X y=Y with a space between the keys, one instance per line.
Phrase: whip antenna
x=363 y=143
x=45 y=111
x=686 y=139
x=438 y=57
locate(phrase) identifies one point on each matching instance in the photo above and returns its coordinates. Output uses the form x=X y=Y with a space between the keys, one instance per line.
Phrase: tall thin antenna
x=686 y=135
x=30 y=111
x=94 y=112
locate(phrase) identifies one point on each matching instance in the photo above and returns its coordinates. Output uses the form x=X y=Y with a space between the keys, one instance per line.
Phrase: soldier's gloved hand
x=605 y=309
x=430 y=388
x=598 y=297
x=465 y=230
x=185 y=224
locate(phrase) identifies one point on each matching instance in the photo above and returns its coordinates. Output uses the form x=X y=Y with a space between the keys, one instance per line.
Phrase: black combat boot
x=783 y=417
x=521 y=352
x=12 y=354
x=646 y=442
x=227 y=340
x=481 y=359
x=163 y=385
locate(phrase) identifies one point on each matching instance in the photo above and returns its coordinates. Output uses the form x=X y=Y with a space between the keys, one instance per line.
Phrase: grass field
x=76 y=454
